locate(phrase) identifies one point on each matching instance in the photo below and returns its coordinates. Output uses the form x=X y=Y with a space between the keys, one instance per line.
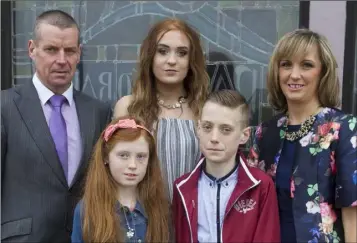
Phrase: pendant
x=130 y=233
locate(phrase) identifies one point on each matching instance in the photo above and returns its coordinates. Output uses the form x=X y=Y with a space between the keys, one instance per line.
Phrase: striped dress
x=177 y=148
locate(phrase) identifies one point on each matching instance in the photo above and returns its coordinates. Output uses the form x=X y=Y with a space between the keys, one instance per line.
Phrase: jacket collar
x=245 y=178
x=45 y=93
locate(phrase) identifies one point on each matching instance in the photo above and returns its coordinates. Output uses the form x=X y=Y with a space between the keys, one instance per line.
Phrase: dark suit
x=36 y=202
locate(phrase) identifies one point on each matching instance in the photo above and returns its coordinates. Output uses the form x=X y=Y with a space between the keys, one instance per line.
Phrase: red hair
x=196 y=83
x=100 y=221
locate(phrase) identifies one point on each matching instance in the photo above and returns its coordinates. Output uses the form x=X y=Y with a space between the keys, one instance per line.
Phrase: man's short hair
x=56 y=18
x=231 y=99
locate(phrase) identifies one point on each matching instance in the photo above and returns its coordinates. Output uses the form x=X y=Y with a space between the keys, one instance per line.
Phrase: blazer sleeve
x=345 y=159
x=268 y=227
x=77 y=225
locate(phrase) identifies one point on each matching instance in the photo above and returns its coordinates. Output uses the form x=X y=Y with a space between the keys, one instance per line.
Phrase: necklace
x=178 y=104
x=304 y=129
x=130 y=233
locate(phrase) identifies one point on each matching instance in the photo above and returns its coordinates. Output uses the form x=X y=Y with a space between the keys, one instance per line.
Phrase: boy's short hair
x=231 y=99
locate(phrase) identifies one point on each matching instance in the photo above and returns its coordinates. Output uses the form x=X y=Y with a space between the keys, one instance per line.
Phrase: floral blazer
x=324 y=177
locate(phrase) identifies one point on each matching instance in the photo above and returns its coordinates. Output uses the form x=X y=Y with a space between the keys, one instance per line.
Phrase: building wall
x=329 y=19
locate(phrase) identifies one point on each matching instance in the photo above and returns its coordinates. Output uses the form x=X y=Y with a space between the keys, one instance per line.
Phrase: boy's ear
x=245 y=135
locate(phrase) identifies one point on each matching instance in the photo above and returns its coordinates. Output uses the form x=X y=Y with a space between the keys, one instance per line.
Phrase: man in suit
x=48 y=130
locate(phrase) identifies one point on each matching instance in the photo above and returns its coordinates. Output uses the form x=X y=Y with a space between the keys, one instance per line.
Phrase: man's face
x=56 y=53
x=220 y=132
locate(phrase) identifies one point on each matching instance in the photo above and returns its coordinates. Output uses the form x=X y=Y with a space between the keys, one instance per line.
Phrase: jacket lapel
x=29 y=106
x=191 y=201
x=87 y=120
x=272 y=143
x=189 y=190
x=310 y=153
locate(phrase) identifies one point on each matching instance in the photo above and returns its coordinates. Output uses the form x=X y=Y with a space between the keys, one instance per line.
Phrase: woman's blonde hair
x=300 y=42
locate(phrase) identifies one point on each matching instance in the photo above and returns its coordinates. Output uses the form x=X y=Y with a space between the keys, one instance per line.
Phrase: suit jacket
x=37 y=204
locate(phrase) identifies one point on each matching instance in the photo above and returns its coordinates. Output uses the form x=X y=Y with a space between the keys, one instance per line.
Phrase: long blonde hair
x=299 y=42
x=144 y=103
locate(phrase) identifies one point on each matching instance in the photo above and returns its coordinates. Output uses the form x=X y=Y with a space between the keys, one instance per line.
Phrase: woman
x=168 y=95
x=117 y=205
x=309 y=149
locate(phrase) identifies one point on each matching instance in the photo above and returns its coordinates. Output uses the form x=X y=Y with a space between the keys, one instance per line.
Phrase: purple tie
x=58 y=130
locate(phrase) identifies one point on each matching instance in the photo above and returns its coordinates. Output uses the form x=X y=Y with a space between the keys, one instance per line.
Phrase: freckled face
x=128 y=162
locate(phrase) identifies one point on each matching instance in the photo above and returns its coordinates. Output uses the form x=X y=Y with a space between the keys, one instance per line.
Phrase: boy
x=222 y=200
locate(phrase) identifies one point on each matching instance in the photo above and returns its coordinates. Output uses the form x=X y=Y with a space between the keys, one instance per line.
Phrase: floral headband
x=126 y=123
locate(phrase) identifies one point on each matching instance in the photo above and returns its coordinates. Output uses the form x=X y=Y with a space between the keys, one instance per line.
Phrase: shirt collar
x=138 y=207
x=45 y=94
x=232 y=175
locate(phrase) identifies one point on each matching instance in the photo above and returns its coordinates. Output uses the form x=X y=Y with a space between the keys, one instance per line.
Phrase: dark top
x=283 y=179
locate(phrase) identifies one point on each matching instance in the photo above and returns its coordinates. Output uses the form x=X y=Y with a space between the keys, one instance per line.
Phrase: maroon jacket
x=252 y=211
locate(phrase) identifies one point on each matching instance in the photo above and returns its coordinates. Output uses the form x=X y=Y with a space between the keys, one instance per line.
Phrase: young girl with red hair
x=124 y=198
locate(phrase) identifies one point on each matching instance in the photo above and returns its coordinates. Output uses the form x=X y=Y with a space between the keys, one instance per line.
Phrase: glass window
x=238 y=38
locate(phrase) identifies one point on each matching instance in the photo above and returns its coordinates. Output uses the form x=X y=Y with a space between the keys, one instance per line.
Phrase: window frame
x=6 y=45
x=304 y=14
x=349 y=58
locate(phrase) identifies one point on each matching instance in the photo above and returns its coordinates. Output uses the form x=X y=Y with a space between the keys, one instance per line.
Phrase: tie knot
x=57 y=100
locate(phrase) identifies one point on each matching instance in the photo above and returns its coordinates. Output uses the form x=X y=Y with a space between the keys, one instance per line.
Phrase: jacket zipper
x=235 y=201
x=218 y=221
